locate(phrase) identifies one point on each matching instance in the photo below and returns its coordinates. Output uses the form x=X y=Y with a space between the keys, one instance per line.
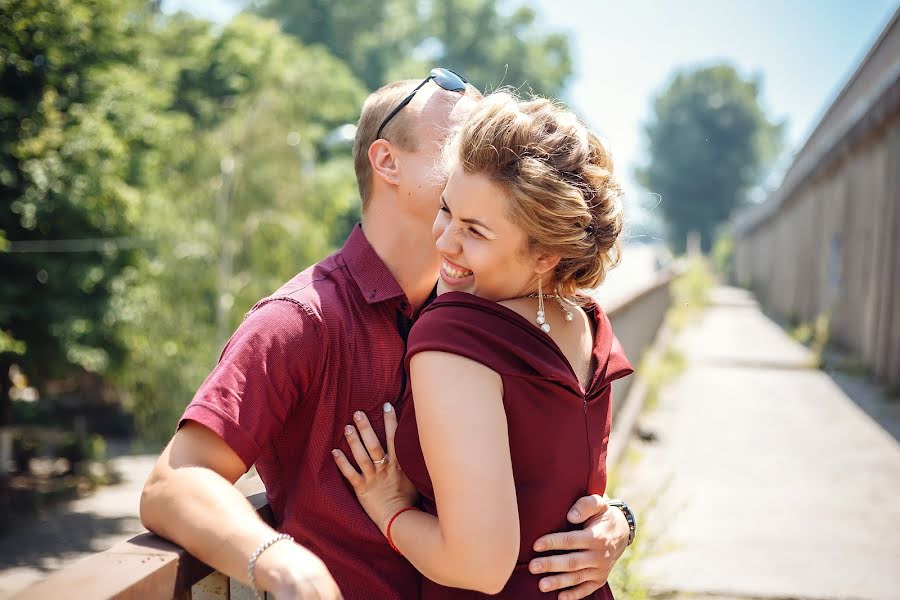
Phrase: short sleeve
x=265 y=369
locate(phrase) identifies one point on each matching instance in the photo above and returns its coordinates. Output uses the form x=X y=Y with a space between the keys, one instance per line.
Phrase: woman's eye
x=475 y=232
x=444 y=209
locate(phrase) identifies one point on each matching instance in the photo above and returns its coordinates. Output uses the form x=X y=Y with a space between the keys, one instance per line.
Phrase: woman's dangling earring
x=569 y=315
x=541 y=319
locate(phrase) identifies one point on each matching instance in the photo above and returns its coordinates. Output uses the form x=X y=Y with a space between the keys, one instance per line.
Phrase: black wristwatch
x=629 y=516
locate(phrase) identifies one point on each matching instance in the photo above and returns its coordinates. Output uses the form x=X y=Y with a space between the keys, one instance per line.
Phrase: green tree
x=197 y=161
x=251 y=194
x=709 y=142
x=76 y=117
x=485 y=40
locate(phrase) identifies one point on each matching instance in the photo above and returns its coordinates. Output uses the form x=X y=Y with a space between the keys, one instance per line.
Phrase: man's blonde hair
x=400 y=129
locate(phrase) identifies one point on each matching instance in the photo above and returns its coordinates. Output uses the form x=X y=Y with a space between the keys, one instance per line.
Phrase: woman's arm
x=463 y=431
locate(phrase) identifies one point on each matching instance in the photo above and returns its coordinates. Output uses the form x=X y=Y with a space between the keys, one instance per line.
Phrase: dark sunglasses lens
x=448 y=80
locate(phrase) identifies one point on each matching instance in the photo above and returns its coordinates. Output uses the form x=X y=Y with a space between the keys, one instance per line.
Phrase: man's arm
x=264 y=371
x=591 y=553
x=190 y=499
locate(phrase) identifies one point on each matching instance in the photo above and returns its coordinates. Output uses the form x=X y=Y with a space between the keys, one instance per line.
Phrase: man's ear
x=383 y=158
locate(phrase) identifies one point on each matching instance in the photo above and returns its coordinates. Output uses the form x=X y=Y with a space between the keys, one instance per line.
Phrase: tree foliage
x=73 y=118
x=251 y=197
x=190 y=167
x=709 y=141
x=489 y=42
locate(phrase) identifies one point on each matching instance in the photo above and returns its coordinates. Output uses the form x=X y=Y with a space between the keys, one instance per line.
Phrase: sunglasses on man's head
x=447 y=79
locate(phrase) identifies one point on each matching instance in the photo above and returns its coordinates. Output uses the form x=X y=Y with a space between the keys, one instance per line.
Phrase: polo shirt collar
x=376 y=282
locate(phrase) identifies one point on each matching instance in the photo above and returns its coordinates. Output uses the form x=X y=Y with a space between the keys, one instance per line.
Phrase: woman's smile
x=452 y=273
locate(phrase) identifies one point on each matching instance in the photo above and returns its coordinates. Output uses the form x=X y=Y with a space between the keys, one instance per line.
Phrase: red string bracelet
x=387 y=531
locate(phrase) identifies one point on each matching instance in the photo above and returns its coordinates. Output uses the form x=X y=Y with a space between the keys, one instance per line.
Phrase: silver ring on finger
x=380 y=462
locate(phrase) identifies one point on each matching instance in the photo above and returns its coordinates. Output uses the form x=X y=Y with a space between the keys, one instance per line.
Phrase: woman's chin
x=452 y=284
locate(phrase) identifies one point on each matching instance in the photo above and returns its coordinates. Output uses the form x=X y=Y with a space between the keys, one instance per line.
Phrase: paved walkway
x=38 y=545
x=776 y=480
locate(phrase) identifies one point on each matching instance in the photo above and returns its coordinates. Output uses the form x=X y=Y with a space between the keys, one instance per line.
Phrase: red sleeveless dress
x=558 y=432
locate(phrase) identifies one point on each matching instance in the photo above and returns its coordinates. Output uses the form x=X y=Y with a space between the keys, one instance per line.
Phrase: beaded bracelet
x=629 y=517
x=252 y=563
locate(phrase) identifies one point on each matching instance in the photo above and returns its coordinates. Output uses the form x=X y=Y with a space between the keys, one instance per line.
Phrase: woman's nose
x=444 y=241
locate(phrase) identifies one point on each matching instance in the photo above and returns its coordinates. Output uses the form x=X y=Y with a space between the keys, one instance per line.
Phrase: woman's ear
x=384 y=161
x=546 y=263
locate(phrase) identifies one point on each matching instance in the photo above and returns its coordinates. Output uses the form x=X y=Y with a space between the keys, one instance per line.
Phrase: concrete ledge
x=627 y=417
x=143 y=567
x=638 y=322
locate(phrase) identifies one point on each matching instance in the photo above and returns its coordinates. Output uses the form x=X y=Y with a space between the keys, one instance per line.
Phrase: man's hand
x=291 y=572
x=593 y=551
x=189 y=498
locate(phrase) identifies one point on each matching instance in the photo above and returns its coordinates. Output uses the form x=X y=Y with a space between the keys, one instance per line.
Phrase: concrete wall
x=636 y=321
x=828 y=240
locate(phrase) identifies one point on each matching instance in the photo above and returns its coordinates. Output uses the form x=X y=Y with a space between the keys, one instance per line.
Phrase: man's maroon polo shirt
x=328 y=343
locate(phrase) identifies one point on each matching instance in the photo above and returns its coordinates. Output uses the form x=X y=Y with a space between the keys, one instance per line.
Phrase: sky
x=626 y=51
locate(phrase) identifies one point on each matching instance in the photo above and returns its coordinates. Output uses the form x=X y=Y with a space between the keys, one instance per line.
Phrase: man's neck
x=407 y=249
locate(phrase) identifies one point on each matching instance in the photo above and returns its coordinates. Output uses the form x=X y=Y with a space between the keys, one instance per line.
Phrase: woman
x=510 y=368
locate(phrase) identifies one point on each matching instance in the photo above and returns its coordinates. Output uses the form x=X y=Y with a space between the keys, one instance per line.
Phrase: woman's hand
x=382 y=488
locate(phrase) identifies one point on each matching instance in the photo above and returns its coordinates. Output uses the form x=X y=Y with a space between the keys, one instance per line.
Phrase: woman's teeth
x=454 y=272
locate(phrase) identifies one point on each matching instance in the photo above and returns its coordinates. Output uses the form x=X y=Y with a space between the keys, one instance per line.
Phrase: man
x=325 y=346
